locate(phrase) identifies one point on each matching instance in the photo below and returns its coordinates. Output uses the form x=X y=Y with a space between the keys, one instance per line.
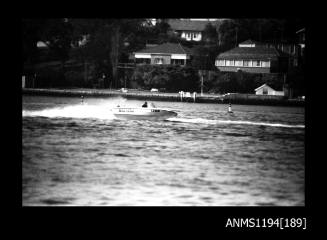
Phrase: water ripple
x=80 y=155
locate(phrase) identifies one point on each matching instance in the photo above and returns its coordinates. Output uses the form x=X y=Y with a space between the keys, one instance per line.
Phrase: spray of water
x=84 y=111
x=101 y=110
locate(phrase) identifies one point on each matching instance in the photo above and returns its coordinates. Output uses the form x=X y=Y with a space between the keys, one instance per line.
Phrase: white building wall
x=192 y=36
x=188 y=36
x=241 y=63
x=279 y=93
x=260 y=91
x=198 y=37
x=179 y=56
x=140 y=55
x=246 y=45
x=270 y=92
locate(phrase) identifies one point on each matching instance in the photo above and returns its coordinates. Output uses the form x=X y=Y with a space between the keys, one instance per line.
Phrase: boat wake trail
x=75 y=111
x=102 y=111
x=208 y=121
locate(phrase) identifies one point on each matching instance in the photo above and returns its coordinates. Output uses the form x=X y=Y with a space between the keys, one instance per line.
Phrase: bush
x=295 y=80
x=273 y=80
x=242 y=82
x=74 y=79
x=49 y=77
x=172 y=78
x=177 y=78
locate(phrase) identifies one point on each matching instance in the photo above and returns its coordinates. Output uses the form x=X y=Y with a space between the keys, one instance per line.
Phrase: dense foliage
x=98 y=45
x=171 y=78
x=241 y=82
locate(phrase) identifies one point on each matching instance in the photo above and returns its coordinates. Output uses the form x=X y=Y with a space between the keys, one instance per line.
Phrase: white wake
x=208 y=121
x=102 y=111
x=74 y=111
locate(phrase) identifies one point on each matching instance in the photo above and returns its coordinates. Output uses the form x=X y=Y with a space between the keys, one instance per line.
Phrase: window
x=239 y=63
x=246 y=63
x=158 y=61
x=229 y=62
x=177 y=61
x=256 y=63
x=195 y=36
x=265 y=91
x=220 y=62
x=265 y=63
x=143 y=60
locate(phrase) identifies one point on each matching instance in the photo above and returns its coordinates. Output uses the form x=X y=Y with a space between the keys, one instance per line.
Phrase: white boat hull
x=142 y=113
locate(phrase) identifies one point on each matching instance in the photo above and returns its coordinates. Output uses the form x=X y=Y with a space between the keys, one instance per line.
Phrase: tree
x=172 y=78
x=235 y=31
x=58 y=36
x=106 y=41
x=161 y=31
x=204 y=57
x=31 y=34
x=210 y=34
x=227 y=33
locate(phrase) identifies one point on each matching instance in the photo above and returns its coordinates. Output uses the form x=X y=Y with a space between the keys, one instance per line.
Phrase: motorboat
x=142 y=113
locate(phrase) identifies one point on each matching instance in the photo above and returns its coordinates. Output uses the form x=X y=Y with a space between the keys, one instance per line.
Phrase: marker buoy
x=230 y=108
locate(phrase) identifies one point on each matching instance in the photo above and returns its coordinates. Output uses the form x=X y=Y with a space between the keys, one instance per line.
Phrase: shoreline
x=244 y=99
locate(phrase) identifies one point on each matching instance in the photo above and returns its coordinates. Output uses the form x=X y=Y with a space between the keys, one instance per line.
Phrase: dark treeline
x=98 y=45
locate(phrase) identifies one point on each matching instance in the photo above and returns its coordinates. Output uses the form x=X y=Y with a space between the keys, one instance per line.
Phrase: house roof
x=250 y=41
x=167 y=48
x=277 y=87
x=301 y=30
x=260 y=53
x=264 y=85
x=189 y=25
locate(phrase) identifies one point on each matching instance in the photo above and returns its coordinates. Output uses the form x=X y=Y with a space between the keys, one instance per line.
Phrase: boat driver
x=145 y=105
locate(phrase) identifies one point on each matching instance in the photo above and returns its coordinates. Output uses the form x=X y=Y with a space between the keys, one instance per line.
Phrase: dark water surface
x=79 y=154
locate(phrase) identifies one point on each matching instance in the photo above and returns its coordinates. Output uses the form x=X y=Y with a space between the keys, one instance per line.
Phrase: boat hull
x=143 y=113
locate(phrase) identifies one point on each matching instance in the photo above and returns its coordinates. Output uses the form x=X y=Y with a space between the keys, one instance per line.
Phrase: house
x=252 y=56
x=167 y=53
x=267 y=90
x=190 y=30
x=42 y=45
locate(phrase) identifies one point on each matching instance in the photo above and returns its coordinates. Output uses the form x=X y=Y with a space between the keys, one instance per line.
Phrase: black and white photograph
x=163 y=112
